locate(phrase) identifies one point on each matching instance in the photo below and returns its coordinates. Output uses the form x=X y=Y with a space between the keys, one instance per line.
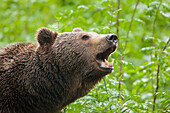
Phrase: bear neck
x=49 y=82
x=46 y=82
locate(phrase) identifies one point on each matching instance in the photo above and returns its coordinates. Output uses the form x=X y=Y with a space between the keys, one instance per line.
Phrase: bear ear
x=46 y=37
x=77 y=30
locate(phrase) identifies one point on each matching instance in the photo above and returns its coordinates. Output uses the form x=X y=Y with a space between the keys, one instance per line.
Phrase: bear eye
x=85 y=37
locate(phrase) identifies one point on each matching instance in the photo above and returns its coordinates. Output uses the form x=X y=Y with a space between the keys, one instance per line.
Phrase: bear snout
x=112 y=38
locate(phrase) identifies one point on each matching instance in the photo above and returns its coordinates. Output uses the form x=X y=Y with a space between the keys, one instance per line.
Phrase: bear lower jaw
x=106 y=66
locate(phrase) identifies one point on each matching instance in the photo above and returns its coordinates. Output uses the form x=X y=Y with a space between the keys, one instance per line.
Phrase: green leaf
x=147 y=49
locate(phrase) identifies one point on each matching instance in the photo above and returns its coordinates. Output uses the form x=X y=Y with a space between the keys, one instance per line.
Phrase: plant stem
x=130 y=25
x=157 y=86
x=166 y=106
x=157 y=75
x=117 y=26
x=166 y=44
x=111 y=19
x=117 y=21
x=157 y=78
x=156 y=18
x=153 y=29
x=122 y=58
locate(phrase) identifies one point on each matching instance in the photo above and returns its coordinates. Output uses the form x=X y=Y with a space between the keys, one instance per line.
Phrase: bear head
x=79 y=52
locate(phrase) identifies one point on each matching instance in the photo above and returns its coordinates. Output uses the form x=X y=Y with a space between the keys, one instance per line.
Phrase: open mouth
x=102 y=58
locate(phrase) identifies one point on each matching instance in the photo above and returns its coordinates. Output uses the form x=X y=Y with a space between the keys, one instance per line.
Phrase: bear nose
x=111 y=38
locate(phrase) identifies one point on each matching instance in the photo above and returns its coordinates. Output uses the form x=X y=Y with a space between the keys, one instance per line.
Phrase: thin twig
x=110 y=27
x=153 y=29
x=122 y=57
x=157 y=75
x=117 y=26
x=117 y=21
x=156 y=18
x=163 y=106
x=166 y=44
x=157 y=86
x=157 y=78
x=166 y=106
x=130 y=25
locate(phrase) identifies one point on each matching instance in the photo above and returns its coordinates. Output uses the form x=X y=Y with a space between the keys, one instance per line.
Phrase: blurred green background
x=148 y=35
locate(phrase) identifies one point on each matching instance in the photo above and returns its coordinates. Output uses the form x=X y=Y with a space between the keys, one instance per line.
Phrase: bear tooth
x=106 y=62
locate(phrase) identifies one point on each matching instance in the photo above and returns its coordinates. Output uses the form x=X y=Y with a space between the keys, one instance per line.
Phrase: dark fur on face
x=46 y=76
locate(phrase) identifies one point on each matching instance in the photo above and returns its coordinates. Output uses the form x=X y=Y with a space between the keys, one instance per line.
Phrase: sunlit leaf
x=165 y=14
x=147 y=49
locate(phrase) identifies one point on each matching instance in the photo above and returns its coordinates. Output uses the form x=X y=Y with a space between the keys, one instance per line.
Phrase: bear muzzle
x=102 y=58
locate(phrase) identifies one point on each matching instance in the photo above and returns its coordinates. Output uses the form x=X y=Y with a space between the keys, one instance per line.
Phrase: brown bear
x=46 y=76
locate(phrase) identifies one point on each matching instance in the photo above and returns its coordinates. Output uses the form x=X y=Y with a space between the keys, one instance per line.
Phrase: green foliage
x=145 y=63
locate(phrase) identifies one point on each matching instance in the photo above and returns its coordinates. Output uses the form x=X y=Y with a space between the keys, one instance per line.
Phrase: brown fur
x=46 y=76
